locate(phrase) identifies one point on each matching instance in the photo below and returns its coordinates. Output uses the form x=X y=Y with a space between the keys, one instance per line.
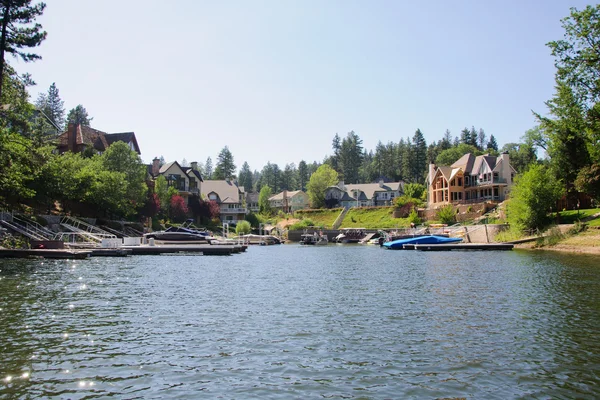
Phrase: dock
x=459 y=246
x=125 y=251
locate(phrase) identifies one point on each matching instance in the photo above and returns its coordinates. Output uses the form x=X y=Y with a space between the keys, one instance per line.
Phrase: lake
x=281 y=322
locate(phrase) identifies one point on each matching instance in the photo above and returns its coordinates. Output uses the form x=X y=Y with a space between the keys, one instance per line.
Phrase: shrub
x=303 y=224
x=243 y=228
x=179 y=210
x=253 y=220
x=413 y=217
x=446 y=215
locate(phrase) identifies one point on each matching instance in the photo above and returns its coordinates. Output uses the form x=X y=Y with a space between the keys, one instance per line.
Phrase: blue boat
x=429 y=239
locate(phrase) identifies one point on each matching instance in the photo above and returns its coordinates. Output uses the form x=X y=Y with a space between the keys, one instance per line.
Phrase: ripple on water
x=287 y=321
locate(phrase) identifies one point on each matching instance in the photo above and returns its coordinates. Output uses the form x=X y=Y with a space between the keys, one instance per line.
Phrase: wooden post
x=487 y=238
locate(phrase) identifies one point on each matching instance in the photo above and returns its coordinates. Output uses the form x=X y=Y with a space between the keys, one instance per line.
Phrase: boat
x=317 y=239
x=183 y=233
x=426 y=239
x=350 y=235
x=263 y=240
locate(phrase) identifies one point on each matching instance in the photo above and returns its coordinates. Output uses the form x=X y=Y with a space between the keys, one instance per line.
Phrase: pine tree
x=419 y=163
x=16 y=33
x=225 y=167
x=302 y=175
x=78 y=115
x=245 y=177
x=336 y=145
x=208 y=168
x=492 y=144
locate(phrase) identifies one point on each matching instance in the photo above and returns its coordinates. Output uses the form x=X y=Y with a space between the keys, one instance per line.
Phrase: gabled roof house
x=289 y=201
x=187 y=180
x=471 y=179
x=229 y=196
x=79 y=137
x=363 y=194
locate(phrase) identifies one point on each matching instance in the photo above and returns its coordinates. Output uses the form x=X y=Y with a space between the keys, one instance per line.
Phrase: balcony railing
x=187 y=188
x=484 y=183
x=227 y=210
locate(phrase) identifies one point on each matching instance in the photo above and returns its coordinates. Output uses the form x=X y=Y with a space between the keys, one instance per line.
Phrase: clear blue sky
x=275 y=80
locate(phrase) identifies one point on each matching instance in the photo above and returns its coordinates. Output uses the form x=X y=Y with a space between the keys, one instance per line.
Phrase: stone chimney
x=194 y=165
x=228 y=180
x=72 y=137
x=506 y=172
x=431 y=173
x=380 y=182
x=341 y=185
x=155 y=166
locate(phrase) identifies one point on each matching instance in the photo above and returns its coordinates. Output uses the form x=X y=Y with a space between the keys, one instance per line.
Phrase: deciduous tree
x=320 y=180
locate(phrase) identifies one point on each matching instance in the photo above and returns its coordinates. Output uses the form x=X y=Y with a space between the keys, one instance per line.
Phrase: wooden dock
x=196 y=249
x=459 y=246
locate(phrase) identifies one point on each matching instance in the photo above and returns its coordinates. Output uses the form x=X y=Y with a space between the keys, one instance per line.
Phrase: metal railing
x=77 y=229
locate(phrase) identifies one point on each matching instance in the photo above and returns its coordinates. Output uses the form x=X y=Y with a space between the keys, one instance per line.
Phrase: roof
x=465 y=163
x=289 y=194
x=193 y=172
x=369 y=189
x=252 y=197
x=86 y=135
x=227 y=191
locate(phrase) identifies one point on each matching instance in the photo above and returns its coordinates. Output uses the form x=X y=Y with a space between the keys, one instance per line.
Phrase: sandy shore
x=584 y=243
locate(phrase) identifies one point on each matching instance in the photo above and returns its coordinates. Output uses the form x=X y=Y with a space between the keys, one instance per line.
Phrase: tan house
x=77 y=138
x=289 y=201
x=187 y=180
x=363 y=194
x=229 y=196
x=471 y=179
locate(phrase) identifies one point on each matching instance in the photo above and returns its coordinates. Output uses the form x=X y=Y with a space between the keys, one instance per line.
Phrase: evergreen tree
x=288 y=177
x=52 y=107
x=245 y=177
x=17 y=33
x=225 y=167
x=481 y=140
x=446 y=141
x=336 y=145
x=302 y=175
x=419 y=153
x=492 y=144
x=351 y=154
x=78 y=115
x=208 y=168
x=465 y=136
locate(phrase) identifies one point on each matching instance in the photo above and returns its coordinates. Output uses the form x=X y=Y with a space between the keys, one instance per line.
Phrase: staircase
x=340 y=218
x=27 y=228
x=80 y=231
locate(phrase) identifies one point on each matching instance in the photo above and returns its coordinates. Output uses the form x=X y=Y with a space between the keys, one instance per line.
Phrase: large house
x=229 y=196
x=289 y=201
x=187 y=180
x=471 y=179
x=252 y=202
x=363 y=194
x=77 y=138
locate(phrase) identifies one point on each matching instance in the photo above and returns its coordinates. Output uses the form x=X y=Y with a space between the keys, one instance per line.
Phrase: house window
x=460 y=182
x=452 y=182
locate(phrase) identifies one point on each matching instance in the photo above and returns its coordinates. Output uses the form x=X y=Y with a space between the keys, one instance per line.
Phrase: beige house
x=229 y=196
x=363 y=194
x=289 y=202
x=471 y=179
x=187 y=180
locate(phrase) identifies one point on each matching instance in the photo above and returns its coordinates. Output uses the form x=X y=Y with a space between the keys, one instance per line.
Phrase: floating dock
x=459 y=246
x=125 y=251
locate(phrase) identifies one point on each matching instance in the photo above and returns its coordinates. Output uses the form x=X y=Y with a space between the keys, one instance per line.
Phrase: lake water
x=287 y=321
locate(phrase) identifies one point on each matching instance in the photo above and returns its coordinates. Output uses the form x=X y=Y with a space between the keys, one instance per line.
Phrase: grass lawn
x=373 y=218
x=570 y=216
x=324 y=218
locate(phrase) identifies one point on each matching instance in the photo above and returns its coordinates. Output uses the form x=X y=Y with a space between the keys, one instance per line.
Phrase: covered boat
x=427 y=239
x=181 y=233
x=317 y=239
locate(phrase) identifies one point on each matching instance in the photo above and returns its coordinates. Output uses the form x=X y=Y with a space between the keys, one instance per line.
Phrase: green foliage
x=446 y=215
x=588 y=180
x=225 y=167
x=253 y=219
x=52 y=107
x=509 y=235
x=245 y=177
x=319 y=181
x=20 y=34
x=414 y=190
x=263 y=200
x=451 y=155
x=532 y=197
x=413 y=217
x=243 y=228
x=304 y=224
x=78 y=115
x=577 y=227
x=552 y=238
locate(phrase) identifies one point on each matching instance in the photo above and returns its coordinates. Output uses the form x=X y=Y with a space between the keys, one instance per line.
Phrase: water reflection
x=281 y=322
